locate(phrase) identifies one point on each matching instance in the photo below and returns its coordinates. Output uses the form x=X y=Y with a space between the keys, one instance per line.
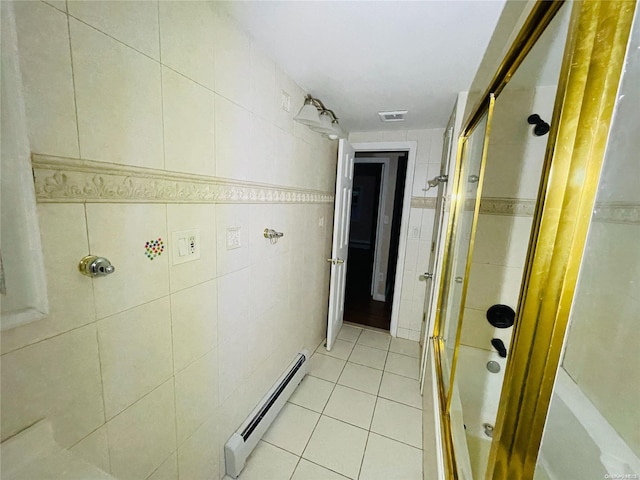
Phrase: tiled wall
x=147 y=372
x=601 y=353
x=512 y=177
x=416 y=261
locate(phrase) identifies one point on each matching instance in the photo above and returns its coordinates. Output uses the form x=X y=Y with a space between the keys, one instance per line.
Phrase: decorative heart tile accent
x=153 y=248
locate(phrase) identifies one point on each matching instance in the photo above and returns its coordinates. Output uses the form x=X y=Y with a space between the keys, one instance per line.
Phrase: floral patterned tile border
x=71 y=180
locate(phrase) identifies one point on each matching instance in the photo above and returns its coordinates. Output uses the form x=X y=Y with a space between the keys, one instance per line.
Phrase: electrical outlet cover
x=185 y=246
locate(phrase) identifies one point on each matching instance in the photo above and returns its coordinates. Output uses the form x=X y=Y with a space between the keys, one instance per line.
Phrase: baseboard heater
x=245 y=439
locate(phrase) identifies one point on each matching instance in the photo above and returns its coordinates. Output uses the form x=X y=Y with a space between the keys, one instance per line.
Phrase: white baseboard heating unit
x=244 y=440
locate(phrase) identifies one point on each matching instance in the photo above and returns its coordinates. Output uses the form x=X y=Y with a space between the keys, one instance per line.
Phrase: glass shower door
x=465 y=204
x=593 y=425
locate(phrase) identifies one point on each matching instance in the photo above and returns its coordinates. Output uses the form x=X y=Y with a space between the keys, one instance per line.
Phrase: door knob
x=425 y=276
x=335 y=261
x=93 y=266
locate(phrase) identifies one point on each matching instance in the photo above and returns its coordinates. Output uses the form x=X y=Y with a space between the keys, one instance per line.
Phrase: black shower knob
x=541 y=127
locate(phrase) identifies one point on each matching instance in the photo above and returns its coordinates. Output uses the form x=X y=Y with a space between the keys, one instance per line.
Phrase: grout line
x=164 y=150
x=173 y=357
x=398 y=441
x=309 y=439
x=73 y=81
x=93 y=285
x=327 y=468
x=51 y=337
x=104 y=406
x=364 y=452
x=112 y=37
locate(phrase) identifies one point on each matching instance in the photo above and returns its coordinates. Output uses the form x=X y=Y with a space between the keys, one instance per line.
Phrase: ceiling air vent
x=395 y=116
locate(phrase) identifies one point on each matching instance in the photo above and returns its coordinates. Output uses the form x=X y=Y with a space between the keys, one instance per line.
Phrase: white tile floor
x=357 y=414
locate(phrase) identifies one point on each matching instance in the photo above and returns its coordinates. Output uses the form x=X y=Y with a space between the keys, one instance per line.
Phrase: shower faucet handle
x=425 y=276
x=94 y=266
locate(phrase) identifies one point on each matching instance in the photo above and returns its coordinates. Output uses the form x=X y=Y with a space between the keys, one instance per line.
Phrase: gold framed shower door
x=590 y=74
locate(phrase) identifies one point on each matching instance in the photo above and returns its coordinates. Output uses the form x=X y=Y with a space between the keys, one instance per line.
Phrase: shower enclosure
x=523 y=201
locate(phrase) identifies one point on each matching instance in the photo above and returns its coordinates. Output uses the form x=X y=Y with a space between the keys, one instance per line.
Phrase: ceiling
x=361 y=57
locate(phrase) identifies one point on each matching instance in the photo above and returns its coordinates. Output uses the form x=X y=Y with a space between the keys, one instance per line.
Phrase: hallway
x=359 y=306
x=357 y=414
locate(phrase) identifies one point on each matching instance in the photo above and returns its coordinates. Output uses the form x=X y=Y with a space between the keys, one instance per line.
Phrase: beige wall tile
x=491 y=284
x=493 y=235
x=520 y=233
x=119 y=232
x=187 y=39
x=59 y=4
x=262 y=149
x=436 y=146
x=194 y=319
x=144 y=435
x=119 y=100
x=188 y=110
x=94 y=448
x=233 y=315
x=168 y=470
x=198 y=456
x=233 y=129
x=543 y=101
x=509 y=125
x=263 y=84
x=503 y=172
x=45 y=63
x=478 y=332
x=285 y=147
x=232 y=366
x=419 y=180
x=134 y=23
x=424 y=139
x=196 y=394
x=403 y=332
x=232 y=62
x=268 y=285
x=135 y=353
x=57 y=379
x=64 y=242
x=192 y=217
x=262 y=340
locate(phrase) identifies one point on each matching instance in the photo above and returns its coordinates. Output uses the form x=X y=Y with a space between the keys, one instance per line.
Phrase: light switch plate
x=185 y=246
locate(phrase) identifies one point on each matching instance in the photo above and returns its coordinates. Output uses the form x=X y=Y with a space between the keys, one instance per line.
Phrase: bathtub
x=479 y=392
x=580 y=442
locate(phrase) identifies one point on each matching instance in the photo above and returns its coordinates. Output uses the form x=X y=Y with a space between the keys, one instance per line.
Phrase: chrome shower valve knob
x=94 y=266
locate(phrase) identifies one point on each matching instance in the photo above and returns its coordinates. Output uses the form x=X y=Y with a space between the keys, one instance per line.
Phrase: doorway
x=374 y=236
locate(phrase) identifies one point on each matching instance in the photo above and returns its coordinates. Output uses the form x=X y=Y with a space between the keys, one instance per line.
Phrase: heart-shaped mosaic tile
x=153 y=248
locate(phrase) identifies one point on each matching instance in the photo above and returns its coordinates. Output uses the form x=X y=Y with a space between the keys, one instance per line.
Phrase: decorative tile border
x=507 y=206
x=423 y=202
x=71 y=180
x=617 y=212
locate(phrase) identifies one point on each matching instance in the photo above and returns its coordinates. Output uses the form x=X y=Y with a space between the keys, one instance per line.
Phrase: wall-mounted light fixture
x=319 y=118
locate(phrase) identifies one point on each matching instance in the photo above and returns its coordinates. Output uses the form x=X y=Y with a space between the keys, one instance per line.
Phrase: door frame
x=410 y=147
x=382 y=200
